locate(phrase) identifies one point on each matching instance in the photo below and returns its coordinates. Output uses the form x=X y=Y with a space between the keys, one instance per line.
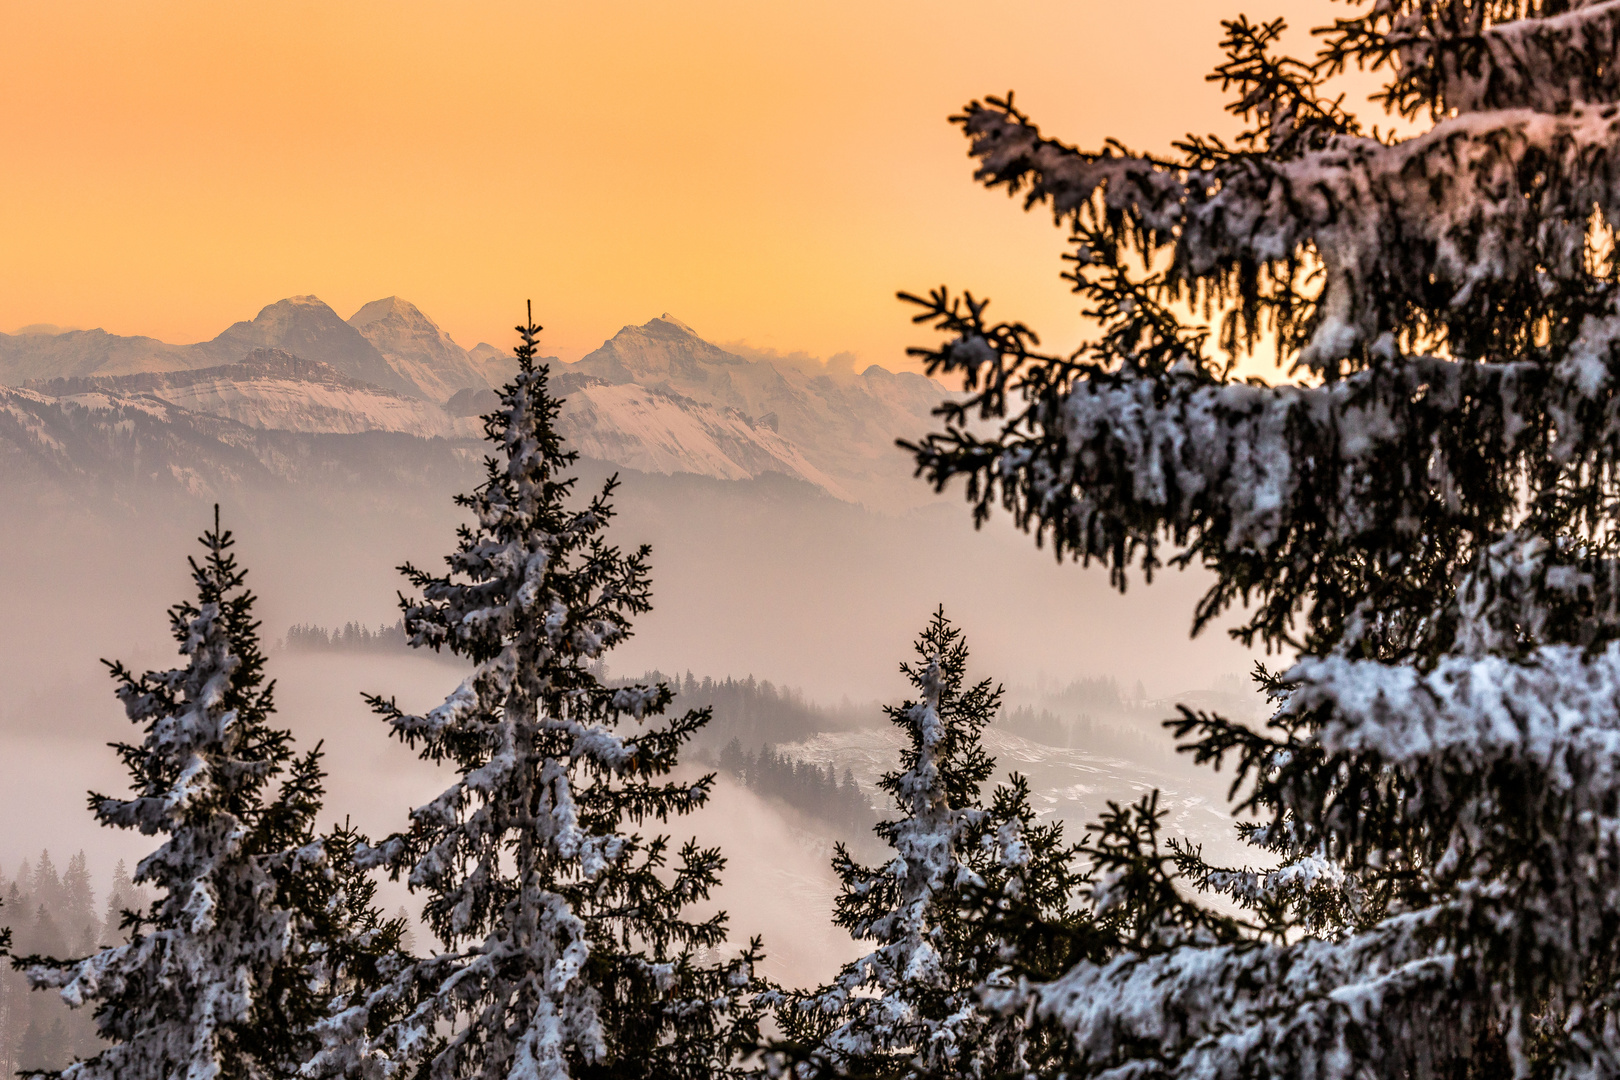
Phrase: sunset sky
x=771 y=172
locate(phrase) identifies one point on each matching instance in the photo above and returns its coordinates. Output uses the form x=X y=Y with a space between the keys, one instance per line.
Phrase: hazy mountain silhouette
x=657 y=397
x=305 y=326
x=29 y=356
x=389 y=343
x=417 y=350
x=844 y=423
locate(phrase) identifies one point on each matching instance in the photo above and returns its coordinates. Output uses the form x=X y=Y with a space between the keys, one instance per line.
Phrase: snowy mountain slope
x=844 y=423
x=275 y=390
x=657 y=431
x=129 y=444
x=417 y=350
x=653 y=431
x=231 y=417
x=114 y=440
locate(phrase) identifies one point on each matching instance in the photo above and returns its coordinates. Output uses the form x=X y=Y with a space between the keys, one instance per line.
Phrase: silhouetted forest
x=802 y=785
x=755 y=711
x=54 y=912
x=350 y=637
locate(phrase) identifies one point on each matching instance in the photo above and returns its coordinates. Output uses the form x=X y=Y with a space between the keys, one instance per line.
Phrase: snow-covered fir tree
x=1425 y=515
x=569 y=947
x=216 y=978
x=912 y=1004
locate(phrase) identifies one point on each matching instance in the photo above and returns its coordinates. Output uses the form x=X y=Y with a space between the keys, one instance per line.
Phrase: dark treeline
x=755 y=711
x=803 y=785
x=54 y=912
x=350 y=637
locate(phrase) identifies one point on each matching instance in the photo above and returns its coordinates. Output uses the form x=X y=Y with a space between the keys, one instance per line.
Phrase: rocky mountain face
x=656 y=398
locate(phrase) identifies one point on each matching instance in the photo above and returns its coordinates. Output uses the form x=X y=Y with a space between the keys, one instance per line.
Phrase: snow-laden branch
x=1459 y=64
x=1316 y=1009
x=1505 y=816
x=1483 y=201
x=1291 y=482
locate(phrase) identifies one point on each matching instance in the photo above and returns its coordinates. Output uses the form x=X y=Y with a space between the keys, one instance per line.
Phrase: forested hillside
x=55 y=912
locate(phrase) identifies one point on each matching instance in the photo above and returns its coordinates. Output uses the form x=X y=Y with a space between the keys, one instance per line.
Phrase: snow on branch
x=1490 y=789
x=1459 y=64
x=1315 y=1009
x=1481 y=203
x=1290 y=482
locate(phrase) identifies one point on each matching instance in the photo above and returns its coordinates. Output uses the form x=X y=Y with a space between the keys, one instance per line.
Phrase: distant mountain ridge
x=127 y=447
x=274 y=390
x=418 y=351
x=657 y=397
x=388 y=343
x=844 y=424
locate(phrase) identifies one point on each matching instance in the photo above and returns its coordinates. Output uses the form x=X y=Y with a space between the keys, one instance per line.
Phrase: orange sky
x=768 y=171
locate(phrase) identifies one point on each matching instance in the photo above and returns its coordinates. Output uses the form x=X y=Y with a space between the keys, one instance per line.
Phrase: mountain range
x=657 y=398
x=388 y=343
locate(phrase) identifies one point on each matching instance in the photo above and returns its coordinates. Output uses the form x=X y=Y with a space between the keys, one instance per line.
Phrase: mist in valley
x=765 y=578
x=794 y=562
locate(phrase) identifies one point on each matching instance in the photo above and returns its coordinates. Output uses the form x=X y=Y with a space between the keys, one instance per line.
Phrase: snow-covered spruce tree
x=1426 y=515
x=569 y=948
x=215 y=979
x=911 y=1005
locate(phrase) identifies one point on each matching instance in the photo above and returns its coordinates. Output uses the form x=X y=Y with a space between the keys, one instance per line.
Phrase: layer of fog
x=766 y=578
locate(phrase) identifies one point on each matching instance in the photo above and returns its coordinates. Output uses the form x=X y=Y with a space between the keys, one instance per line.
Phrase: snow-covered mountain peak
x=393 y=308
x=659 y=350
x=307 y=326
x=845 y=427
x=294 y=313
x=418 y=350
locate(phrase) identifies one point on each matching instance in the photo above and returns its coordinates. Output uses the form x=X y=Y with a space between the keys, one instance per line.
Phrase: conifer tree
x=78 y=910
x=570 y=951
x=1424 y=516
x=121 y=897
x=912 y=1004
x=215 y=980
